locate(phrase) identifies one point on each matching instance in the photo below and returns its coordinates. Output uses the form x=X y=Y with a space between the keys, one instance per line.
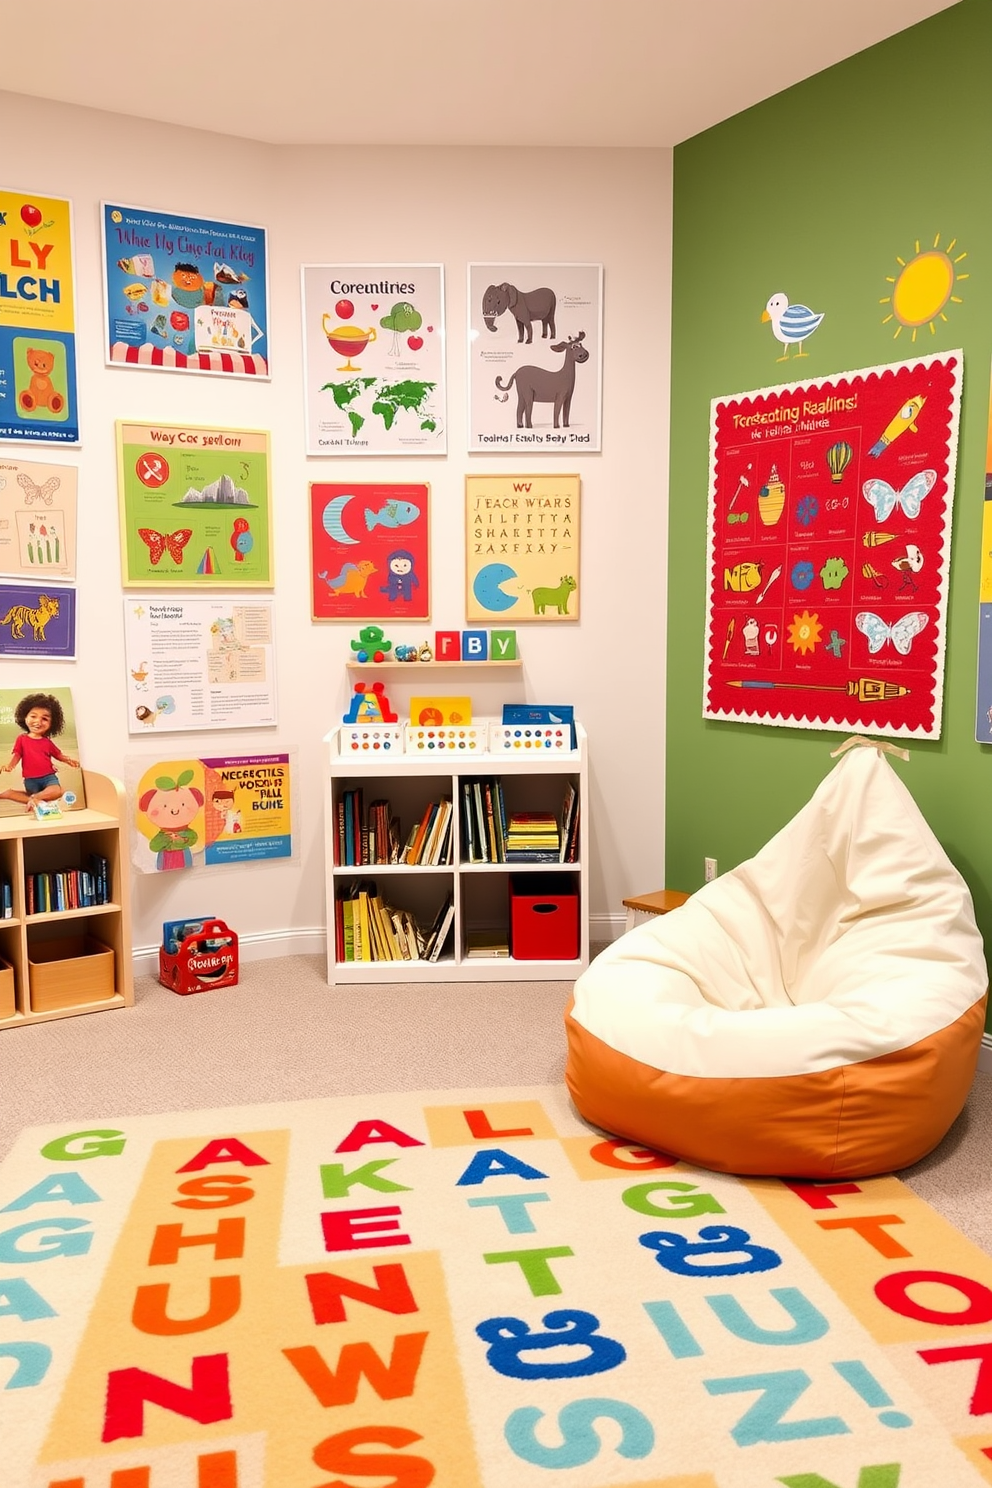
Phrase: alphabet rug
x=472 y=1289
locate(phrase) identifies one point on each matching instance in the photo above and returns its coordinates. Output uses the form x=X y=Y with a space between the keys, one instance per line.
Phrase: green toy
x=371 y=644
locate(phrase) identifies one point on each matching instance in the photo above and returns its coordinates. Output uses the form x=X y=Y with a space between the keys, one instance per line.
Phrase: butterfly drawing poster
x=37 y=520
x=828 y=548
x=195 y=506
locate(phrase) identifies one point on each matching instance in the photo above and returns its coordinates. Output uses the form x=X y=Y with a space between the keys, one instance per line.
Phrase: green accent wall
x=815 y=194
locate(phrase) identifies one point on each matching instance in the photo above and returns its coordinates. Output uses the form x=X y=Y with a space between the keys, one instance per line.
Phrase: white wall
x=380 y=205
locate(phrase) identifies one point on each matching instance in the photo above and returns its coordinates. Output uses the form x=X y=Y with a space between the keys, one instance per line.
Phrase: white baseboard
x=985 y=1054
x=265 y=946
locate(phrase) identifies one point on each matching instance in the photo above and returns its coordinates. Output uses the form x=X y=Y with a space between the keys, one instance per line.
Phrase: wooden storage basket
x=69 y=973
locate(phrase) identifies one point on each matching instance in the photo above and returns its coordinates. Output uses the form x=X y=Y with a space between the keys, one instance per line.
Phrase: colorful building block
x=503 y=645
x=475 y=645
x=447 y=645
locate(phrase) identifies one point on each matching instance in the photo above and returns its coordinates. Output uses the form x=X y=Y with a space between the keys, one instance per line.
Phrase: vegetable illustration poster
x=535 y=357
x=195 y=506
x=369 y=552
x=37 y=320
x=185 y=294
x=189 y=813
x=37 y=519
x=373 y=337
x=828 y=549
x=199 y=663
x=522 y=547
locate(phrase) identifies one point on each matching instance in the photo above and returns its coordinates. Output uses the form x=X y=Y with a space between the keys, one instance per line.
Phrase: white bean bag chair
x=815 y=1012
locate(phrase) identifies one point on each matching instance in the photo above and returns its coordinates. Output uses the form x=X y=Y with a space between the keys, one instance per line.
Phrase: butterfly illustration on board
x=158 y=543
x=901 y=632
x=34 y=492
x=885 y=498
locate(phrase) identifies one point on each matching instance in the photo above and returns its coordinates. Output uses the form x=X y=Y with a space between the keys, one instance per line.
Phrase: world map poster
x=828 y=545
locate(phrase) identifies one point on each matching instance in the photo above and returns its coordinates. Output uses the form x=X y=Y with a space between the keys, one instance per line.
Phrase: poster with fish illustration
x=370 y=551
x=373 y=352
x=195 y=506
x=37 y=519
x=828 y=549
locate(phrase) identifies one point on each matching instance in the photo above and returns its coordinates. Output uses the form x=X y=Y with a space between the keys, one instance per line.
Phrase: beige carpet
x=469 y=1288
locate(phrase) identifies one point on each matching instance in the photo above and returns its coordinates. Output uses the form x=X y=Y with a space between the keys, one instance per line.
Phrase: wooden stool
x=659 y=903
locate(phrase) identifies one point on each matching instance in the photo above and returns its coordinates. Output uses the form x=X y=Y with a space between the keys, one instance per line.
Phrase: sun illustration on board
x=805 y=632
x=923 y=286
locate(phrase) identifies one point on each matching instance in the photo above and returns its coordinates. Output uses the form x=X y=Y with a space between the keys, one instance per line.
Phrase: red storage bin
x=544 y=917
x=203 y=962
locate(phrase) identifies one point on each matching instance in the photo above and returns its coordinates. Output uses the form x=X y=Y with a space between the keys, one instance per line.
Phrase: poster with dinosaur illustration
x=195 y=506
x=370 y=551
x=535 y=356
x=828 y=549
x=38 y=393
x=37 y=519
x=373 y=350
x=522 y=548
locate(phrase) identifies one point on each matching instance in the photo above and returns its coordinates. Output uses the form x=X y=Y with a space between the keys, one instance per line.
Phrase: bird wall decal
x=791 y=324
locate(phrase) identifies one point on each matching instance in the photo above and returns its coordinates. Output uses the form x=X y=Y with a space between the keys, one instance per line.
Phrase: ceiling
x=439 y=72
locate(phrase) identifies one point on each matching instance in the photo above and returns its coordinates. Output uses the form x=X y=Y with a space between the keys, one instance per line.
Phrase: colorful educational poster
x=983 y=710
x=195 y=506
x=522 y=548
x=38 y=399
x=373 y=347
x=189 y=813
x=369 y=551
x=62 y=730
x=828 y=547
x=184 y=294
x=535 y=357
x=199 y=663
x=37 y=519
x=37 y=620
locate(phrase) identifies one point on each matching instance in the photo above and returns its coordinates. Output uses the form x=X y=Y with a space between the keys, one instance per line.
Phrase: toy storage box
x=69 y=972
x=544 y=917
x=204 y=961
x=8 y=1005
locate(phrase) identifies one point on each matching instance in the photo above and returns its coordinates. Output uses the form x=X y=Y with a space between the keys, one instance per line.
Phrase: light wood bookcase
x=56 y=963
x=481 y=890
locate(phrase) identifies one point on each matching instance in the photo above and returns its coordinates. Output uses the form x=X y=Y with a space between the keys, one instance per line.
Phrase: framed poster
x=369 y=551
x=828 y=545
x=197 y=663
x=196 y=506
x=535 y=357
x=522 y=548
x=373 y=352
x=189 y=813
x=38 y=397
x=37 y=620
x=37 y=519
x=983 y=707
x=184 y=294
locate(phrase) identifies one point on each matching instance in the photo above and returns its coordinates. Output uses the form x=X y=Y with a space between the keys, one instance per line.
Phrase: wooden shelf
x=413 y=667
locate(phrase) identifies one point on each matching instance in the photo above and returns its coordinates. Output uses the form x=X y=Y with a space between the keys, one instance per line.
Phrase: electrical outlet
x=709 y=869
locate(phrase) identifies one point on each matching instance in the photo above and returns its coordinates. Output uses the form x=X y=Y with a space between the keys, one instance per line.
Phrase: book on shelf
x=6 y=899
x=481 y=944
x=440 y=929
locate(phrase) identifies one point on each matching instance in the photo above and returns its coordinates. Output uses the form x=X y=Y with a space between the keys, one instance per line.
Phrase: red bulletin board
x=369 y=551
x=828 y=544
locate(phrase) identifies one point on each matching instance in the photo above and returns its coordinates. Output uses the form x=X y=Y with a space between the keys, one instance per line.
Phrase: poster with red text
x=828 y=545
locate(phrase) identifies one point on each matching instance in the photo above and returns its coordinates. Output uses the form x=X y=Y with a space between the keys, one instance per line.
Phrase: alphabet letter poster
x=522 y=548
x=828 y=549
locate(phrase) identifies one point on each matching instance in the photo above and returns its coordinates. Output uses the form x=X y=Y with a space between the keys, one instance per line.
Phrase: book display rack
x=65 y=946
x=418 y=860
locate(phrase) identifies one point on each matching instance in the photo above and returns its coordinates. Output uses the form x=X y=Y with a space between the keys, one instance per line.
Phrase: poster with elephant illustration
x=522 y=548
x=535 y=371
x=373 y=352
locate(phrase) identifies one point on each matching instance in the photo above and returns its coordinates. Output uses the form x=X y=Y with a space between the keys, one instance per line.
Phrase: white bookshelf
x=531 y=781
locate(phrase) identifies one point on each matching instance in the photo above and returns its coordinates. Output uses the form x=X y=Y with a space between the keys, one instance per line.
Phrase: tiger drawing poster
x=828 y=549
x=17 y=703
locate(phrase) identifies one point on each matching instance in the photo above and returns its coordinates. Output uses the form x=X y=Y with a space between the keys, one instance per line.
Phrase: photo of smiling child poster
x=185 y=294
x=22 y=702
x=37 y=320
x=369 y=551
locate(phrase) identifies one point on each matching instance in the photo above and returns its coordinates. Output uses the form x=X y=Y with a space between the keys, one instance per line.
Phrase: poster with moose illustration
x=535 y=357
x=828 y=549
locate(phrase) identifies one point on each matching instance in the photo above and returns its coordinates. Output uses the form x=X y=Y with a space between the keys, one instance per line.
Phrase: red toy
x=204 y=961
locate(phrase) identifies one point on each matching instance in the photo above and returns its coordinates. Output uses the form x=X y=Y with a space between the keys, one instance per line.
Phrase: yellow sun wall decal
x=805 y=632
x=923 y=286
